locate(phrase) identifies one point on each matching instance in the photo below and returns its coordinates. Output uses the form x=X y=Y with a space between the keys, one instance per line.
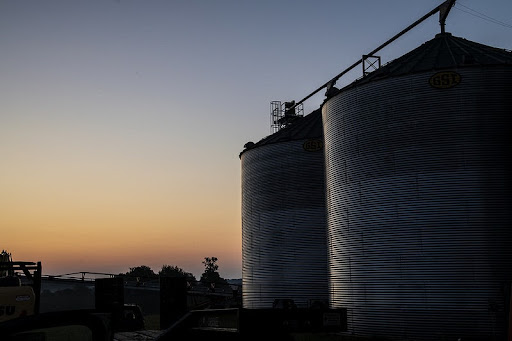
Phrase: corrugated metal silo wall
x=419 y=210
x=284 y=252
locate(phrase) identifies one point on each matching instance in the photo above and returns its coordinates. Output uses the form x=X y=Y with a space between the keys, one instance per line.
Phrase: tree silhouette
x=210 y=274
x=210 y=264
x=175 y=271
x=142 y=271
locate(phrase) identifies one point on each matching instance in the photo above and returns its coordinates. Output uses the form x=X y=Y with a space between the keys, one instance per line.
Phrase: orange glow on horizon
x=105 y=226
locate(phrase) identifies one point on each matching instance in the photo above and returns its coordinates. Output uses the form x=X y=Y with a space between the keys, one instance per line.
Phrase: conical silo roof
x=445 y=51
x=309 y=126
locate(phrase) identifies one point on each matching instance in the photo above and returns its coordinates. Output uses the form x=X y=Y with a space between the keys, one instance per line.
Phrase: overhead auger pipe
x=447 y=4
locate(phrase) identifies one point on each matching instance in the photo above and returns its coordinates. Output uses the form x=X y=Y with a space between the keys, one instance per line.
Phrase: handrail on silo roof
x=443 y=8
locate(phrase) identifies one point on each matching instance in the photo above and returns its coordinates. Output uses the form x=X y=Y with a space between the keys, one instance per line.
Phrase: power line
x=481 y=15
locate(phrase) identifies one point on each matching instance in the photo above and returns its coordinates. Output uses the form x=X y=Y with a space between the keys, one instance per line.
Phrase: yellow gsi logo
x=445 y=80
x=313 y=145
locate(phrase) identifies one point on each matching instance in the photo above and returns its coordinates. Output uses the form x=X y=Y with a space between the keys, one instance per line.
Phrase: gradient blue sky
x=121 y=121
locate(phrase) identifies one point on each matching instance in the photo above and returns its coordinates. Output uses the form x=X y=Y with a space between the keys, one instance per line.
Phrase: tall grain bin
x=284 y=252
x=418 y=178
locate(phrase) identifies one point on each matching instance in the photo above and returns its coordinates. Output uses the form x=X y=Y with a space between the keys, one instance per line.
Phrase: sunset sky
x=121 y=121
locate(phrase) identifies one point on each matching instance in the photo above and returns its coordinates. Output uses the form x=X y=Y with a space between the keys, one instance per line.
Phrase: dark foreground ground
x=58 y=296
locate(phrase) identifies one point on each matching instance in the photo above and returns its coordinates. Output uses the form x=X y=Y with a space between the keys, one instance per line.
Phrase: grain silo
x=284 y=252
x=418 y=177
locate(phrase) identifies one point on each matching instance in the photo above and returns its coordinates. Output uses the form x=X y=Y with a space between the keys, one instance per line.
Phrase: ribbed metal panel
x=284 y=251
x=419 y=207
